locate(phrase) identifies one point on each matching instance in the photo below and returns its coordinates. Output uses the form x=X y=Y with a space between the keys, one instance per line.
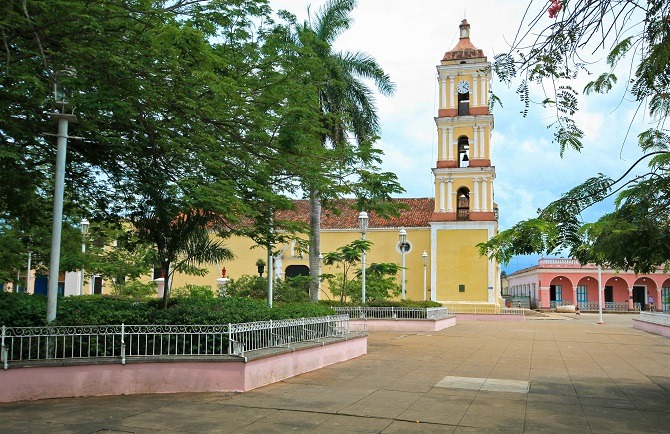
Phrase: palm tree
x=347 y=104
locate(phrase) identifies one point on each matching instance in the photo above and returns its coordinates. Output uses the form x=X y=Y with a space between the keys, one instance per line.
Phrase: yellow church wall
x=459 y=263
x=383 y=249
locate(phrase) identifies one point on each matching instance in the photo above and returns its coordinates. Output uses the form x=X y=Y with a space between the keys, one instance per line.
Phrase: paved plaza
x=561 y=373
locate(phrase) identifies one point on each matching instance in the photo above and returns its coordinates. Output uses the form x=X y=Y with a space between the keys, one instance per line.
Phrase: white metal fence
x=119 y=342
x=593 y=306
x=365 y=312
x=609 y=306
x=655 y=318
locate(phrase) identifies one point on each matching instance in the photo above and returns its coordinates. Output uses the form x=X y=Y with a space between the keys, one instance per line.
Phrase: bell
x=465 y=157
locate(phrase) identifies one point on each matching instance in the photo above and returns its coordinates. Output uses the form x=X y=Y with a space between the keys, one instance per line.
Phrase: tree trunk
x=314 y=244
x=166 y=288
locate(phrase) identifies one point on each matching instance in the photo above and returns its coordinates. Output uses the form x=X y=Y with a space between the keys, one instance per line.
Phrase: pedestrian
x=577 y=309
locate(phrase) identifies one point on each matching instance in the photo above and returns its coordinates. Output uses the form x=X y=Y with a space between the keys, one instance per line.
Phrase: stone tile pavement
x=564 y=373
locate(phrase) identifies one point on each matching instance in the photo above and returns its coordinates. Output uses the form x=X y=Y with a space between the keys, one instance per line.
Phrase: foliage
x=187 y=111
x=345 y=257
x=300 y=310
x=634 y=36
x=114 y=251
x=385 y=303
x=25 y=310
x=134 y=289
x=347 y=121
x=22 y=310
x=291 y=290
x=193 y=291
x=247 y=287
x=380 y=279
x=381 y=283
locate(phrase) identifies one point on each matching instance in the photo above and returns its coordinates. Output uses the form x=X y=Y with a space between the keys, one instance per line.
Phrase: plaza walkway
x=564 y=373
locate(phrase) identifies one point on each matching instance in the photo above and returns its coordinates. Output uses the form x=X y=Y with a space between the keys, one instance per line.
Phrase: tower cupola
x=464 y=49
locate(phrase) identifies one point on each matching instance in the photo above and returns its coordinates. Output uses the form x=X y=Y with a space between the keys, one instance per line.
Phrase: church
x=442 y=231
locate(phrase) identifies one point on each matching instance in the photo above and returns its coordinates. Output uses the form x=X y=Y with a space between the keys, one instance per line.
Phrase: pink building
x=555 y=282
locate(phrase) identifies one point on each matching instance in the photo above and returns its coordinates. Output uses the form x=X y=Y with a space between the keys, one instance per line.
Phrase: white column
x=450 y=193
x=475 y=141
x=441 y=194
x=474 y=90
x=484 y=195
x=482 y=140
x=443 y=92
x=445 y=143
x=450 y=143
x=451 y=92
x=483 y=89
x=475 y=206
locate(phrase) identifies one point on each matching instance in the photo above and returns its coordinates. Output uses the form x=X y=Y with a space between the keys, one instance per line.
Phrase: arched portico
x=663 y=302
x=561 y=291
x=643 y=288
x=563 y=281
x=615 y=294
x=587 y=292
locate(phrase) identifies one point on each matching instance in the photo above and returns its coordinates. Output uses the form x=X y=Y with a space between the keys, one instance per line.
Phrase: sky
x=408 y=39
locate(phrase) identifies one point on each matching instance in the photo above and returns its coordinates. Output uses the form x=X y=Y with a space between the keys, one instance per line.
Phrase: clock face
x=463 y=87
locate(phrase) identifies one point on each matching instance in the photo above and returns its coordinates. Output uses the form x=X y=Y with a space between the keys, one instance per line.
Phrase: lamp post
x=318 y=295
x=600 y=295
x=84 y=230
x=424 y=258
x=363 y=225
x=63 y=120
x=404 y=247
x=30 y=257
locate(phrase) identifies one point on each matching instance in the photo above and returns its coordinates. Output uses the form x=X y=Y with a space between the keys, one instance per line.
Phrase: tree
x=345 y=257
x=635 y=37
x=346 y=107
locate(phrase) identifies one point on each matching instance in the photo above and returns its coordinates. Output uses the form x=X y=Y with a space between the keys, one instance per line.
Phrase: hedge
x=25 y=310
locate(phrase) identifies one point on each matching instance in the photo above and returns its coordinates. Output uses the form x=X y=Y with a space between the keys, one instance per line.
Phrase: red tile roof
x=418 y=213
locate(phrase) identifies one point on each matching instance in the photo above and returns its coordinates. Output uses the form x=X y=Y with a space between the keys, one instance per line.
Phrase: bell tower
x=465 y=213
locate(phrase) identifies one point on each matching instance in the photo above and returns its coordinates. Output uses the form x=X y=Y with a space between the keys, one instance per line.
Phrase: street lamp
x=424 y=258
x=84 y=230
x=30 y=257
x=600 y=295
x=404 y=247
x=63 y=120
x=318 y=294
x=363 y=225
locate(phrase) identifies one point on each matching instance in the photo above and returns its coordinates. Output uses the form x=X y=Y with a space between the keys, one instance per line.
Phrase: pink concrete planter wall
x=656 y=329
x=171 y=377
x=400 y=325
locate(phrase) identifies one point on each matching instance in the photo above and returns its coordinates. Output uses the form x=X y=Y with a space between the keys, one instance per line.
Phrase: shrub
x=301 y=310
x=25 y=310
x=22 y=310
x=248 y=287
x=295 y=289
x=135 y=289
x=292 y=290
x=383 y=303
x=193 y=291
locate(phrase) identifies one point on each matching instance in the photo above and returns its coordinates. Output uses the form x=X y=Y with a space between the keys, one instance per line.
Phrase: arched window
x=463 y=204
x=463 y=148
x=297 y=270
